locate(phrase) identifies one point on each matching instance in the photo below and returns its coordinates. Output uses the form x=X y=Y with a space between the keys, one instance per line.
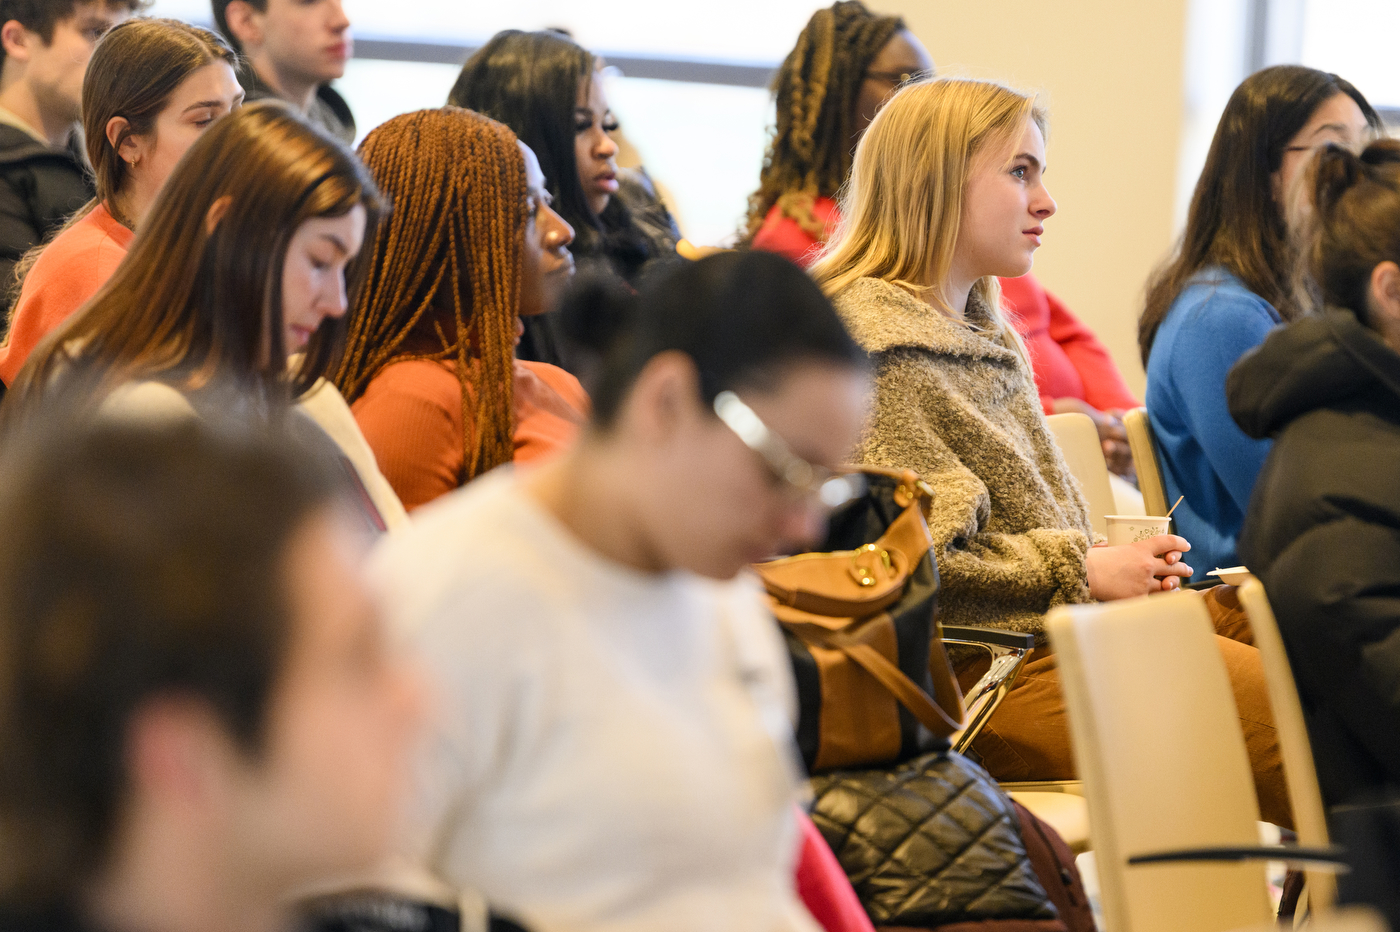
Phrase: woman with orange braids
x=471 y=245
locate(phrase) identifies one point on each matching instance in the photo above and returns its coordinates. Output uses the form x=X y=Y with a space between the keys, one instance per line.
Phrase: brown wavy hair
x=192 y=306
x=442 y=276
x=810 y=153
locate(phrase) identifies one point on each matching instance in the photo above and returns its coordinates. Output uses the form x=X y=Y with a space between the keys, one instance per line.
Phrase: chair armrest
x=998 y=636
x=1009 y=650
x=1325 y=858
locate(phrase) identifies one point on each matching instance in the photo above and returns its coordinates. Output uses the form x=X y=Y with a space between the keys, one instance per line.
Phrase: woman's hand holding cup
x=1140 y=567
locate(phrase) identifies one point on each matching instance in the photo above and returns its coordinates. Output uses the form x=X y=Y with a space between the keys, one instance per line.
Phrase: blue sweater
x=1205 y=456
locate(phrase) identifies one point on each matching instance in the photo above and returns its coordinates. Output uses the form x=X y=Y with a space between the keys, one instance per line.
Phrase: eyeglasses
x=897 y=77
x=802 y=479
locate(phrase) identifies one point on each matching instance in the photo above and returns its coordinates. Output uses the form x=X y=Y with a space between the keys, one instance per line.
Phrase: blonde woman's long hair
x=901 y=209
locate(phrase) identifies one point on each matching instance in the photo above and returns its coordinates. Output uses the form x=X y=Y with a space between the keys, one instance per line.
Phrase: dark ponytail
x=1355 y=222
x=741 y=316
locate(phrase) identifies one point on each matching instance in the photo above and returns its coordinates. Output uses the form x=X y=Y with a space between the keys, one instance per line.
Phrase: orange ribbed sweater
x=411 y=416
x=69 y=272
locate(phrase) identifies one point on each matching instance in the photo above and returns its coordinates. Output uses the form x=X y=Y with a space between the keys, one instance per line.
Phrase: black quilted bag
x=929 y=842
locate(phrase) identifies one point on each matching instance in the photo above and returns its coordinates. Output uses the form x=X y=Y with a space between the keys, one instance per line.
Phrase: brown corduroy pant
x=1028 y=735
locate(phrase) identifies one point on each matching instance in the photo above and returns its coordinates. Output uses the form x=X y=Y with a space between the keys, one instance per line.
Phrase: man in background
x=294 y=49
x=44 y=50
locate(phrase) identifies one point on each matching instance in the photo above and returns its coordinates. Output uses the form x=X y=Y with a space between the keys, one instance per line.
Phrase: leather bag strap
x=930 y=713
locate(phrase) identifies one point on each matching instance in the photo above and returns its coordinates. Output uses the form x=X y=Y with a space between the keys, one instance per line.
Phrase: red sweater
x=69 y=272
x=781 y=234
x=411 y=416
x=1069 y=361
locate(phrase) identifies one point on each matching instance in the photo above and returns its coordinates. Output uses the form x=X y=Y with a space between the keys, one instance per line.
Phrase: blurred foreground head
x=198 y=709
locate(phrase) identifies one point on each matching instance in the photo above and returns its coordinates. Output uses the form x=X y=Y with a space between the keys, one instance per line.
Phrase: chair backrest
x=1348 y=919
x=1309 y=815
x=1078 y=440
x=1158 y=744
x=1149 y=468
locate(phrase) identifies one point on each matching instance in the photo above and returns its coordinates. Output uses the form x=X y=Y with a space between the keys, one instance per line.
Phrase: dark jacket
x=1323 y=533
x=40 y=187
x=52 y=919
x=329 y=111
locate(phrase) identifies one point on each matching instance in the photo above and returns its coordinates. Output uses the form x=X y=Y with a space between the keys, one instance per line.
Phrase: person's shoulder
x=881 y=316
x=1026 y=302
x=560 y=381
x=333 y=113
x=783 y=235
x=147 y=401
x=428 y=380
x=75 y=258
x=484 y=516
x=466 y=558
x=865 y=298
x=1215 y=296
x=19 y=148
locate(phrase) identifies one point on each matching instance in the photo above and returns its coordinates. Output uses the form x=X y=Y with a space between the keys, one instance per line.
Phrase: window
x=702 y=142
x=1355 y=39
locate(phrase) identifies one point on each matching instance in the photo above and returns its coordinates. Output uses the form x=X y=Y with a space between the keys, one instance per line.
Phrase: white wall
x=1111 y=74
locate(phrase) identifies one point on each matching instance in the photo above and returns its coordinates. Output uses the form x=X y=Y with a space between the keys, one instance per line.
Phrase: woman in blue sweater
x=1227 y=286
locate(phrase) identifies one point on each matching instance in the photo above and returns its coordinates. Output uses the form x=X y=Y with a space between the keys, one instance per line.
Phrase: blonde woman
x=946 y=194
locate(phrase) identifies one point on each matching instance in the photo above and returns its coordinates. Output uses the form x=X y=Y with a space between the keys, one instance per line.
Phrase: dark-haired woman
x=232 y=296
x=547 y=89
x=1323 y=530
x=617 y=749
x=1228 y=285
x=152 y=87
x=472 y=248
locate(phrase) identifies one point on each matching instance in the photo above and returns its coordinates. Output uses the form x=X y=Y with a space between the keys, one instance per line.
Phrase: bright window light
x=1356 y=39
x=702 y=143
x=726 y=30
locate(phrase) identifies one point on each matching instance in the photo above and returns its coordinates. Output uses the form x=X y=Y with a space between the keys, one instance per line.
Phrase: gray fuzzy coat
x=1010 y=525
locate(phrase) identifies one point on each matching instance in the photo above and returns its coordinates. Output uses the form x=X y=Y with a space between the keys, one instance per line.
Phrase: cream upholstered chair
x=1078 y=440
x=1164 y=766
x=1145 y=460
x=1309 y=814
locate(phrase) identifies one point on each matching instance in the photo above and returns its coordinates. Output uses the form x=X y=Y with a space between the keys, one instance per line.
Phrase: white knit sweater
x=614 y=748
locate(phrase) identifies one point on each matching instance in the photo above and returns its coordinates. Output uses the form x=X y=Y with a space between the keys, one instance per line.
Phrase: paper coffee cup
x=1129 y=529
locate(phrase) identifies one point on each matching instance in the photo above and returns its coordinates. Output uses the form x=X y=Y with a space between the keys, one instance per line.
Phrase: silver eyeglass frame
x=803 y=478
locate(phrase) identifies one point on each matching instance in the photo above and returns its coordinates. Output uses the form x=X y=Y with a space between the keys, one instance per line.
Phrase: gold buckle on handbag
x=865 y=575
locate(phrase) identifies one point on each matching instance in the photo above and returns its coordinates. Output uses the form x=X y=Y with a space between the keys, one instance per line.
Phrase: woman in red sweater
x=471 y=246
x=846 y=64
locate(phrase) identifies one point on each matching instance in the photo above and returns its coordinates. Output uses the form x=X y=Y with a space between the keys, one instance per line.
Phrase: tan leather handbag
x=874 y=682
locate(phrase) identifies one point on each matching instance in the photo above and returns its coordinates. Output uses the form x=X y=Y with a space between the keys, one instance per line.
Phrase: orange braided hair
x=454 y=240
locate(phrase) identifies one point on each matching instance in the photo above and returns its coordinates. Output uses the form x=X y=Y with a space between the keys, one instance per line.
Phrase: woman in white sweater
x=615 y=748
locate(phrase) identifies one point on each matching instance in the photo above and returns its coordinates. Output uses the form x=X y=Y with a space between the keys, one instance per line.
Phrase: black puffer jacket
x=40 y=186
x=1323 y=533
